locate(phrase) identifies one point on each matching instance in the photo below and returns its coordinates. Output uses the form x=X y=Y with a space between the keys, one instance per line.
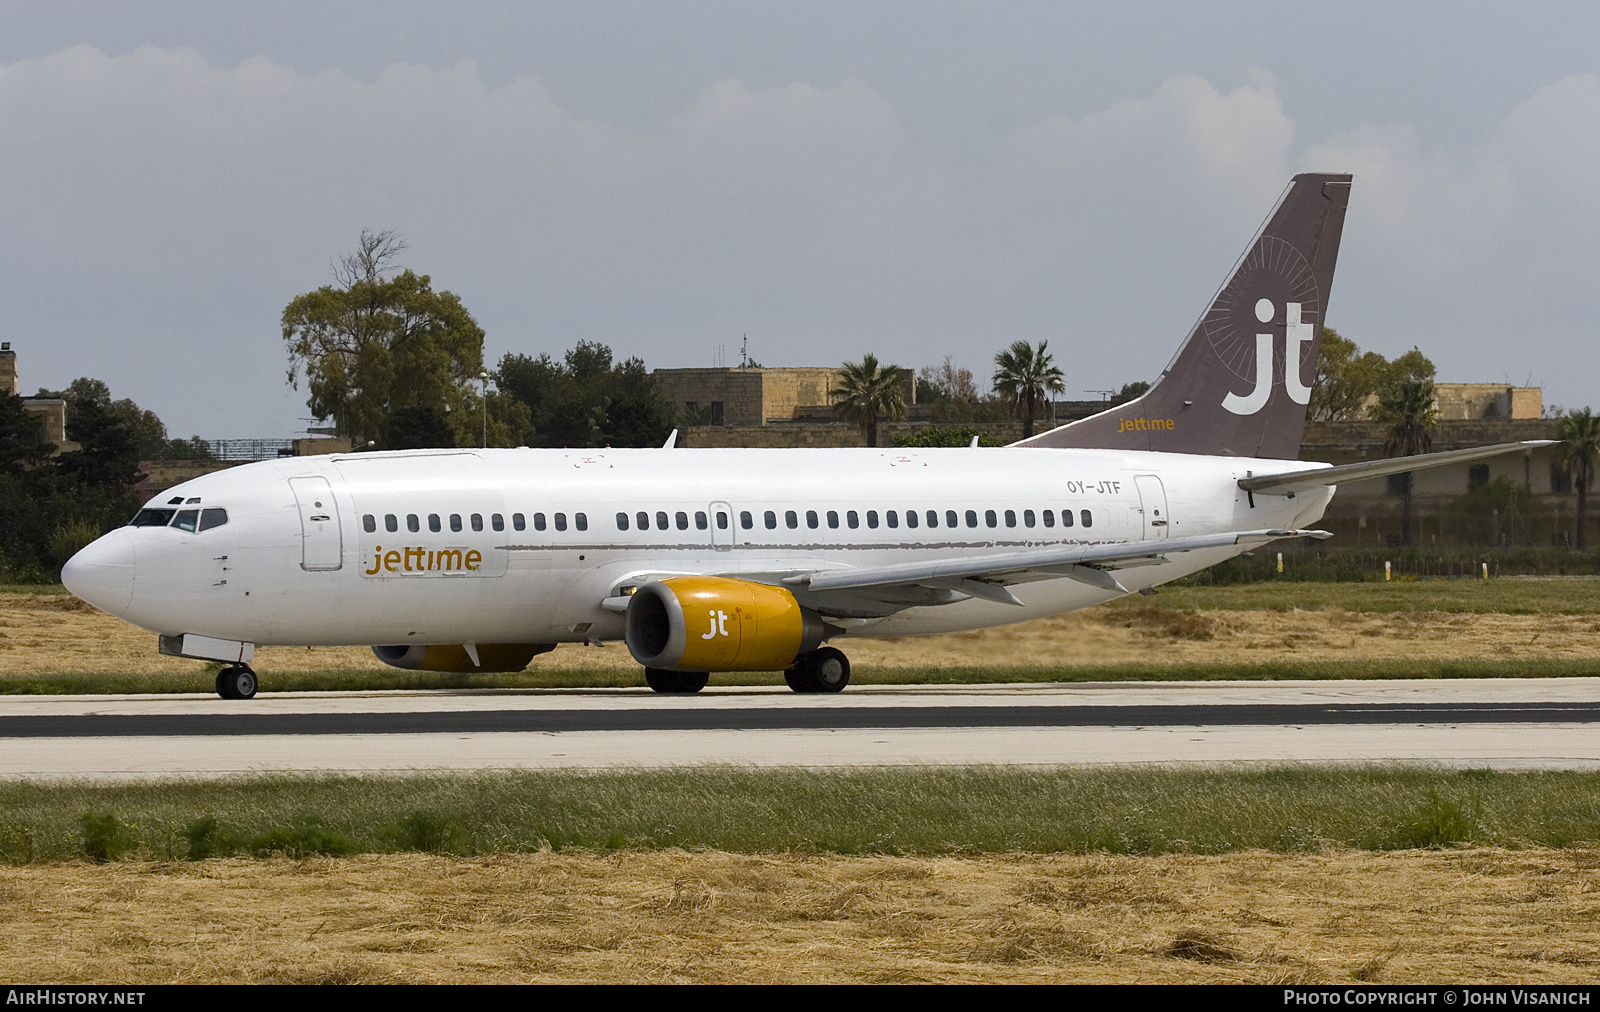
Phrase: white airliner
x=751 y=560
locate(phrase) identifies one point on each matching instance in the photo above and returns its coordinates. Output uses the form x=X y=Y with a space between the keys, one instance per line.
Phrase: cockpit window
x=151 y=518
x=212 y=518
x=186 y=520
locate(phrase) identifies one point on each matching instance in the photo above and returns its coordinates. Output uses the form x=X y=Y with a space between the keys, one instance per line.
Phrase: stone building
x=51 y=411
x=743 y=396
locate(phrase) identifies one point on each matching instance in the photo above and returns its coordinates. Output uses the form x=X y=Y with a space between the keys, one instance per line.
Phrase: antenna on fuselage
x=672 y=441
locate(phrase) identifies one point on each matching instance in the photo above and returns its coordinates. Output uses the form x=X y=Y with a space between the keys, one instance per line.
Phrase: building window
x=1400 y=484
x=1477 y=476
x=716 y=412
x=1560 y=481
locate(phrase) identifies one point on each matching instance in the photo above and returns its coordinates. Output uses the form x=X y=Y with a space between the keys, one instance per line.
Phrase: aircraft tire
x=236 y=682
x=830 y=669
x=824 y=670
x=676 y=681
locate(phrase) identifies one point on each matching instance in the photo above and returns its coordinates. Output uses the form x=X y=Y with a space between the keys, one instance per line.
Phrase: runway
x=1507 y=723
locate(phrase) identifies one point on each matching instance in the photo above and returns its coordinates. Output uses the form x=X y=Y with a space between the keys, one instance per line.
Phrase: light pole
x=483 y=377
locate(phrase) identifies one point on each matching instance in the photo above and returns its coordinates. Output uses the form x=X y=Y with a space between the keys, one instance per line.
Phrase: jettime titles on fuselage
x=415 y=561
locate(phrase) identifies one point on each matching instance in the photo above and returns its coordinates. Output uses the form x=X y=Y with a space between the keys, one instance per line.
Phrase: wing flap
x=1087 y=563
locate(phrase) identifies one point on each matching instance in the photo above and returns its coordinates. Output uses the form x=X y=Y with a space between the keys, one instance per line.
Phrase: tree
x=1408 y=408
x=1579 y=435
x=587 y=399
x=1347 y=378
x=87 y=397
x=1024 y=375
x=370 y=345
x=866 y=391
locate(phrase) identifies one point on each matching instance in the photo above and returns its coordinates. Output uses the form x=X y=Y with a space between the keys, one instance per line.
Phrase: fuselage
x=526 y=545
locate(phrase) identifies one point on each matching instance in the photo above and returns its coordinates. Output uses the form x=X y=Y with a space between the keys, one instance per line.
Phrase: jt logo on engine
x=719 y=624
x=1296 y=333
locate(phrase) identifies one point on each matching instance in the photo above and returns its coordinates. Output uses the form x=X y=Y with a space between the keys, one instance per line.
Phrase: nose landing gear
x=236 y=681
x=824 y=670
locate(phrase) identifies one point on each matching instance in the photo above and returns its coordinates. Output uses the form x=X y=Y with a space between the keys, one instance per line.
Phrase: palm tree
x=1579 y=432
x=1410 y=410
x=867 y=390
x=1024 y=376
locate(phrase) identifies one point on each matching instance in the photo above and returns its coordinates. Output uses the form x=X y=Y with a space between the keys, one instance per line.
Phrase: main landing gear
x=676 y=681
x=236 y=681
x=824 y=670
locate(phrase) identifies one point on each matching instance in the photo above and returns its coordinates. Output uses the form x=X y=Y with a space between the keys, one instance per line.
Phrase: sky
x=916 y=180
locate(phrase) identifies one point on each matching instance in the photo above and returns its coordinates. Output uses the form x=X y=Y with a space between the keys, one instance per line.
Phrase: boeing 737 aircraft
x=752 y=560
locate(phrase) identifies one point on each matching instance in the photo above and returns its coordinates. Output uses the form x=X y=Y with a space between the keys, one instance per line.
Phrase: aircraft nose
x=102 y=573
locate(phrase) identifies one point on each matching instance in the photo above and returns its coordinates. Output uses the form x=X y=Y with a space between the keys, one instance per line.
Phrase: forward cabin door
x=321 y=541
x=1153 y=505
x=722 y=526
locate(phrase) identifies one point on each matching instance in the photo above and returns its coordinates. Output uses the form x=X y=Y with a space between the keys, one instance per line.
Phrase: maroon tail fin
x=1240 y=383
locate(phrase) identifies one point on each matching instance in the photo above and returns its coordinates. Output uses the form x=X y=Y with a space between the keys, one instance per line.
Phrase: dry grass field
x=44 y=633
x=1478 y=915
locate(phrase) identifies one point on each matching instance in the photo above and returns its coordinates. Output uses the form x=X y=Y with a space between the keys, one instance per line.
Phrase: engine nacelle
x=710 y=623
x=454 y=657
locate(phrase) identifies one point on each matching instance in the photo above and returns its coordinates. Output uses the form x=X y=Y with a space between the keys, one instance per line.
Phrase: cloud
x=159 y=210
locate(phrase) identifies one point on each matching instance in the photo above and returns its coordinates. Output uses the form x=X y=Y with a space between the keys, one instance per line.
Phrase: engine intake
x=454 y=657
x=710 y=623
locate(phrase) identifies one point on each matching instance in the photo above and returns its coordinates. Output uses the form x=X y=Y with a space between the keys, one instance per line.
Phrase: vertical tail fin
x=1240 y=383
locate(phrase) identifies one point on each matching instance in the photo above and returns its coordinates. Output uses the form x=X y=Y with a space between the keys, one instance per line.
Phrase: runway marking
x=816 y=717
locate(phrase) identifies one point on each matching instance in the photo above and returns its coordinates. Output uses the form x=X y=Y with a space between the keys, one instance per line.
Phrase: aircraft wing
x=1305 y=481
x=986 y=576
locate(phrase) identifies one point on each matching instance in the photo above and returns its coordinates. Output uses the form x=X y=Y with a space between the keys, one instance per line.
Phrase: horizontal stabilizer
x=1305 y=481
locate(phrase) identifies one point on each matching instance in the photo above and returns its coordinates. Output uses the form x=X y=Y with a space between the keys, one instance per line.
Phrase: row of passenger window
x=891 y=518
x=662 y=521
x=519 y=522
x=192 y=521
x=852 y=519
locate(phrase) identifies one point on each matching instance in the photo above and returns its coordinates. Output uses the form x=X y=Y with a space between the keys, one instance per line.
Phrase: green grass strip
x=914 y=811
x=1506 y=596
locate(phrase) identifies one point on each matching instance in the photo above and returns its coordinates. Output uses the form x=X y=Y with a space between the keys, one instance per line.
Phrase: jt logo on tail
x=1220 y=395
x=1296 y=333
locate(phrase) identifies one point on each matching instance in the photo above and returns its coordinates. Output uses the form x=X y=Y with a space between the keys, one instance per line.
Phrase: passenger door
x=321 y=541
x=1153 y=506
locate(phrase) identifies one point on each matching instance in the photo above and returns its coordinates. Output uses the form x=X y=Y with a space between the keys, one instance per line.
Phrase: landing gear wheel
x=676 y=681
x=236 y=681
x=824 y=670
